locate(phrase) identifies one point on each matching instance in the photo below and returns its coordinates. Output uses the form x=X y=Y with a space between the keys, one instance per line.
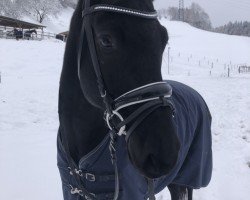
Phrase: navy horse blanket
x=193 y=169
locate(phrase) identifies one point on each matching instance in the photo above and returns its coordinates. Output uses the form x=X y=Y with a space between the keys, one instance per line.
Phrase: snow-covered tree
x=43 y=8
x=70 y=3
x=162 y=13
x=10 y=8
x=173 y=13
x=194 y=15
x=38 y=8
x=197 y=17
x=236 y=28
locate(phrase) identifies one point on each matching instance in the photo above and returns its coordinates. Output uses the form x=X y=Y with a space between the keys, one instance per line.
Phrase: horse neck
x=81 y=122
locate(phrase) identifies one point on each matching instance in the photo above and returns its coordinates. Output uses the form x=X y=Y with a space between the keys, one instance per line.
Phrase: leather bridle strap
x=140 y=114
x=145 y=97
x=87 y=30
x=92 y=48
x=151 y=194
x=73 y=166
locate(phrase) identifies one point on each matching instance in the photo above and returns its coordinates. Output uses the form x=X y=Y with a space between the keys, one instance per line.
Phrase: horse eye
x=106 y=41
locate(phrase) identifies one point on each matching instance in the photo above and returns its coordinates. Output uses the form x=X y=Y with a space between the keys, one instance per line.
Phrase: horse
x=18 y=34
x=60 y=37
x=124 y=132
x=27 y=34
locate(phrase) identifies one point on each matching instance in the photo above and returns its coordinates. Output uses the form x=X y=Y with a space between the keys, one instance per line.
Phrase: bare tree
x=38 y=8
x=42 y=8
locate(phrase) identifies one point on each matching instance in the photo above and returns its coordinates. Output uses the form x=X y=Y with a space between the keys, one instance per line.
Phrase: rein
x=150 y=96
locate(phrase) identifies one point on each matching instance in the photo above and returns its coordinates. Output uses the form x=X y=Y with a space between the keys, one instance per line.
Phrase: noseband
x=148 y=97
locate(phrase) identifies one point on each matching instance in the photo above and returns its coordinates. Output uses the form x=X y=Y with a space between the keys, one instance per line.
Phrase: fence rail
x=7 y=33
x=193 y=64
x=244 y=69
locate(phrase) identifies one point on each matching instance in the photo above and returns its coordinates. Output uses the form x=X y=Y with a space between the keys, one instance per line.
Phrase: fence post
x=228 y=71
x=42 y=35
x=168 y=58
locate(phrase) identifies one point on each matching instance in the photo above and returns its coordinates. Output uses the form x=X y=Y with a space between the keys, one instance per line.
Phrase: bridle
x=149 y=97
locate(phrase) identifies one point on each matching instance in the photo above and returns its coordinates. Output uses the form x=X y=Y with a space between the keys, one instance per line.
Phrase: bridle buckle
x=122 y=130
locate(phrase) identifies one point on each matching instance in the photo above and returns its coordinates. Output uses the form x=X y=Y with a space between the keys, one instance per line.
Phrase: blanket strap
x=80 y=189
x=151 y=193
x=112 y=149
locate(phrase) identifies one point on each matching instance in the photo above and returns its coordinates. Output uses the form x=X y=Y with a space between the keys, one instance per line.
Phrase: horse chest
x=98 y=174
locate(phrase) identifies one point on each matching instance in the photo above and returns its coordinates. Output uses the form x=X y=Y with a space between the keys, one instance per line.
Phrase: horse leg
x=190 y=193
x=180 y=192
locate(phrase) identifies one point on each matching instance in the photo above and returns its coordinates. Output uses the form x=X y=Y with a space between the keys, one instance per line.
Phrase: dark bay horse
x=27 y=34
x=157 y=133
x=18 y=33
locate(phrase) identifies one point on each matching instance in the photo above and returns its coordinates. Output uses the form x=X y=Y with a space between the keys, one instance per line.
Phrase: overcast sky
x=220 y=11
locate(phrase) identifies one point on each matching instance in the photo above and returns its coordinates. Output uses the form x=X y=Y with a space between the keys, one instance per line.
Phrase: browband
x=119 y=9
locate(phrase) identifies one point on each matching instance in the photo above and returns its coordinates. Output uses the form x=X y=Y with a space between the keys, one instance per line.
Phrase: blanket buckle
x=90 y=177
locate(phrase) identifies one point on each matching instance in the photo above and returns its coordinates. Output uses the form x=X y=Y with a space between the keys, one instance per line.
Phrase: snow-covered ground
x=28 y=119
x=30 y=72
x=193 y=52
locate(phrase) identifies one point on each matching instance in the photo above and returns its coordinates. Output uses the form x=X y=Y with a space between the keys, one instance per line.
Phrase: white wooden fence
x=7 y=33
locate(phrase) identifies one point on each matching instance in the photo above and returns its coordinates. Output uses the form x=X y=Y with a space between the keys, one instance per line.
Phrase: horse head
x=129 y=51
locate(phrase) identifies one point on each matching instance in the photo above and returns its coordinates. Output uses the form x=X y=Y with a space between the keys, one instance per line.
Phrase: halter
x=150 y=96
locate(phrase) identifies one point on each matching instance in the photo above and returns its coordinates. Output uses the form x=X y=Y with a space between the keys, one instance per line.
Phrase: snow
x=60 y=22
x=30 y=72
x=28 y=119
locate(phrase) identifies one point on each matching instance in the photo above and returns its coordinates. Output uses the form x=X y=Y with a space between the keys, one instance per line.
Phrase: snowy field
x=30 y=72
